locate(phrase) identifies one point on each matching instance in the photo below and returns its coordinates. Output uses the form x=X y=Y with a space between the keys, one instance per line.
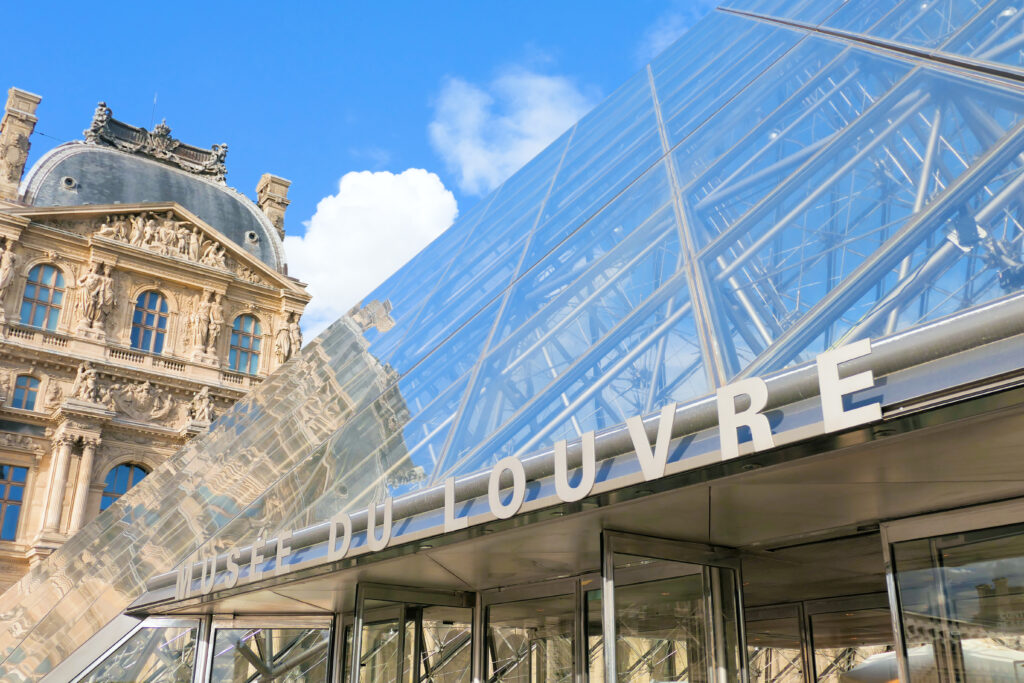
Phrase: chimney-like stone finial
x=15 y=128
x=272 y=198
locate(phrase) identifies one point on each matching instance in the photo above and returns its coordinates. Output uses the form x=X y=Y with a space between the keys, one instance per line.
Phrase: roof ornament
x=156 y=144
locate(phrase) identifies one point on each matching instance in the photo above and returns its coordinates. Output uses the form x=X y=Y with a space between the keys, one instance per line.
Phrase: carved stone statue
x=85 y=386
x=214 y=256
x=283 y=342
x=201 y=324
x=201 y=407
x=99 y=121
x=106 y=293
x=216 y=323
x=8 y=262
x=195 y=240
x=295 y=333
x=91 y=283
x=54 y=395
x=107 y=228
x=137 y=233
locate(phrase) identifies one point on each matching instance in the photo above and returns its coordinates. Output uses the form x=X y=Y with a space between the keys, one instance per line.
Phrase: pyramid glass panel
x=762 y=191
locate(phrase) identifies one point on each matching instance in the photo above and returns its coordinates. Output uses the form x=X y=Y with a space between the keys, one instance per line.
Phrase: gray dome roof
x=103 y=175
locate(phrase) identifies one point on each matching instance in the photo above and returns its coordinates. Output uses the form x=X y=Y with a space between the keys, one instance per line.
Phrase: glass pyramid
x=789 y=176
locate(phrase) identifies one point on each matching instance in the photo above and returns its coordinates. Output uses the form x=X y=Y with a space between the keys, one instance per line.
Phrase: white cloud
x=362 y=234
x=484 y=134
x=670 y=26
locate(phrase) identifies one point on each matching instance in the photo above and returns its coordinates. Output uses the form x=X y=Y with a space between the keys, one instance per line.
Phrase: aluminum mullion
x=714 y=367
x=478 y=365
x=816 y=193
x=927 y=169
x=883 y=260
x=896 y=98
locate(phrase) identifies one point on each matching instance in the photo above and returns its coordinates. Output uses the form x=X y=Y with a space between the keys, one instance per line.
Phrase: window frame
x=56 y=288
x=108 y=490
x=30 y=392
x=251 y=353
x=157 y=329
x=7 y=480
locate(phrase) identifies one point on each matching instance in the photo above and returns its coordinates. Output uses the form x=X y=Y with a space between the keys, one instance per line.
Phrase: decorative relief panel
x=165 y=235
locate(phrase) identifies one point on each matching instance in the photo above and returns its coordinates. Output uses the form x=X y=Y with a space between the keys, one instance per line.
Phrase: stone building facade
x=139 y=297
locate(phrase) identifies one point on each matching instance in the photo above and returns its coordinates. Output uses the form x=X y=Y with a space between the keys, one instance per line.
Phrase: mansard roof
x=122 y=164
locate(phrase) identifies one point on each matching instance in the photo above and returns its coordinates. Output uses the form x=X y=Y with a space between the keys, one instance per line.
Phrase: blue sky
x=466 y=91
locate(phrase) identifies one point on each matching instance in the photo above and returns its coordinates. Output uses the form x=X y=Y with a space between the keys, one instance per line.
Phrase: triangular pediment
x=164 y=229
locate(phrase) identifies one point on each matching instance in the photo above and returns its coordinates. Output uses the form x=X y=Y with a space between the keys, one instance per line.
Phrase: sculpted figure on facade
x=54 y=395
x=86 y=386
x=216 y=323
x=135 y=236
x=8 y=263
x=97 y=296
x=99 y=121
x=91 y=284
x=201 y=322
x=214 y=256
x=283 y=340
x=295 y=333
x=201 y=407
x=195 y=240
x=141 y=401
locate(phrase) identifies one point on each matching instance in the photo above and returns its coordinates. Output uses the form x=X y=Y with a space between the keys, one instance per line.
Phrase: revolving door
x=671 y=609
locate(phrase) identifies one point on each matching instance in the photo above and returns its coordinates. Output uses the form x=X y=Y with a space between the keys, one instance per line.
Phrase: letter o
x=512 y=464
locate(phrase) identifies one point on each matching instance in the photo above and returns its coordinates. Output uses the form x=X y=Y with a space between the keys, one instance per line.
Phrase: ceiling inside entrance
x=760 y=192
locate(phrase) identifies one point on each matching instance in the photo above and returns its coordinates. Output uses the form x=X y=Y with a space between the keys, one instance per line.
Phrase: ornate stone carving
x=54 y=395
x=96 y=298
x=11 y=440
x=201 y=407
x=374 y=314
x=14 y=157
x=157 y=144
x=204 y=325
x=288 y=339
x=86 y=385
x=140 y=401
x=8 y=264
x=167 y=236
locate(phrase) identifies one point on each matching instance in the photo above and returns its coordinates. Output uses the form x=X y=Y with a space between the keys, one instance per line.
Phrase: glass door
x=672 y=610
x=410 y=636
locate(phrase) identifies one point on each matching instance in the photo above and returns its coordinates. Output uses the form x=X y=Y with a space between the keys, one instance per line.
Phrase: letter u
x=567 y=493
x=372 y=542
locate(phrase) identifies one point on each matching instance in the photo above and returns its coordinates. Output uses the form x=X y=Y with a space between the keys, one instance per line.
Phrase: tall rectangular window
x=12 y=493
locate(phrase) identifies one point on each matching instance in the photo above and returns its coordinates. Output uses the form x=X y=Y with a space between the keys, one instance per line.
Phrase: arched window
x=119 y=480
x=44 y=294
x=149 y=323
x=26 y=388
x=244 y=355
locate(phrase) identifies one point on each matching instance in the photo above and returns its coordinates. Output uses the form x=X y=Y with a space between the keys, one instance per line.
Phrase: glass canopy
x=787 y=177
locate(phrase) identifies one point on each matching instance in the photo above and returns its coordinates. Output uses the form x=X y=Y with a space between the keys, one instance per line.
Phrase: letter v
x=652 y=464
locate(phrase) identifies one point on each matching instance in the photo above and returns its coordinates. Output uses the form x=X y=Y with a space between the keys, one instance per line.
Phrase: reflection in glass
x=818 y=192
x=853 y=646
x=444 y=644
x=674 y=621
x=531 y=641
x=379 y=659
x=773 y=650
x=298 y=655
x=153 y=654
x=962 y=599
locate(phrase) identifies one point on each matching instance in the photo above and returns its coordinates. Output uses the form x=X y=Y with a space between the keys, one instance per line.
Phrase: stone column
x=58 y=482
x=82 y=485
